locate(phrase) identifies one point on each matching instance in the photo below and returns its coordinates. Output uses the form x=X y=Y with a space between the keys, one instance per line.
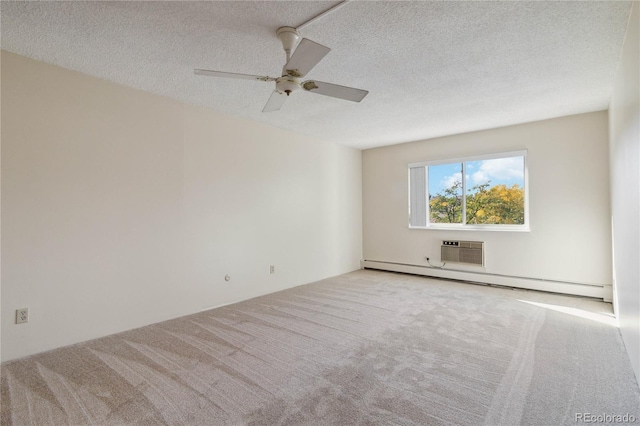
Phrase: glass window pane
x=495 y=191
x=445 y=193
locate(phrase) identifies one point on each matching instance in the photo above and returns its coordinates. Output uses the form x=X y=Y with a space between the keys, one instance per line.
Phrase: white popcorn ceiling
x=432 y=68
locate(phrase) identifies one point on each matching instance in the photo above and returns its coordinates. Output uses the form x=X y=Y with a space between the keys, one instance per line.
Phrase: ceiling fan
x=305 y=57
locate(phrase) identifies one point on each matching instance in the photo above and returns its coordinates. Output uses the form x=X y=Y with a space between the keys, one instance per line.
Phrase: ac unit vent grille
x=470 y=252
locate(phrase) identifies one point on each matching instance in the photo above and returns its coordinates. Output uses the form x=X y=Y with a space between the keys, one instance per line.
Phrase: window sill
x=486 y=228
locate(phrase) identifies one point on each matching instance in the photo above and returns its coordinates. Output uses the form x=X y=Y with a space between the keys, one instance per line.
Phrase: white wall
x=121 y=208
x=0 y=211
x=570 y=237
x=624 y=120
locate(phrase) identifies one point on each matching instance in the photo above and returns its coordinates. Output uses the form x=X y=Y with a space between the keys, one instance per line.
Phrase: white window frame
x=464 y=226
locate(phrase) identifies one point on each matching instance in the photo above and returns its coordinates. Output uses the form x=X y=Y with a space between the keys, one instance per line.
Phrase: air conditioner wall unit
x=468 y=252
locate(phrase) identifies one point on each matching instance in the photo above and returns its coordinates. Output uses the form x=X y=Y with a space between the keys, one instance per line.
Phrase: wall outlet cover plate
x=22 y=315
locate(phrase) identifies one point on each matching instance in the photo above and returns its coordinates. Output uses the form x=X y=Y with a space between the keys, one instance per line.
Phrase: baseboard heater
x=598 y=291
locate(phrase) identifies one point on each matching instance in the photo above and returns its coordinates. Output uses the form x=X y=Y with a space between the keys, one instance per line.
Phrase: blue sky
x=506 y=171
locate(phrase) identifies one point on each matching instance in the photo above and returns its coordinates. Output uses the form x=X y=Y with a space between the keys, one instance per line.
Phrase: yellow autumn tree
x=485 y=204
x=497 y=204
x=447 y=207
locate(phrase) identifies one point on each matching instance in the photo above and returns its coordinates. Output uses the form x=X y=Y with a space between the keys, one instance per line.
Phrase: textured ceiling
x=432 y=68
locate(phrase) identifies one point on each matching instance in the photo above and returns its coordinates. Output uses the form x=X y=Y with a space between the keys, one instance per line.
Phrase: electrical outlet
x=272 y=269
x=22 y=315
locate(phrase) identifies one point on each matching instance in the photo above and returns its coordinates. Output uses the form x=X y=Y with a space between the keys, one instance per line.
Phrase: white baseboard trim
x=604 y=292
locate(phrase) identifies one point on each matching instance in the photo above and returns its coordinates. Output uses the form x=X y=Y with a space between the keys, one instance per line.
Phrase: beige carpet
x=363 y=348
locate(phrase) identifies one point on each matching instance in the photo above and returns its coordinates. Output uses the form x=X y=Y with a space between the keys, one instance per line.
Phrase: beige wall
x=624 y=118
x=570 y=237
x=121 y=208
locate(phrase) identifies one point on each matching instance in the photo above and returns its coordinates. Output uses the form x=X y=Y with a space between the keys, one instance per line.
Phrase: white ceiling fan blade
x=334 y=90
x=275 y=101
x=212 y=73
x=307 y=55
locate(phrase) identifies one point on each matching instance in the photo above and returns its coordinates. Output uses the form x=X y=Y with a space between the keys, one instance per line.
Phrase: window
x=483 y=192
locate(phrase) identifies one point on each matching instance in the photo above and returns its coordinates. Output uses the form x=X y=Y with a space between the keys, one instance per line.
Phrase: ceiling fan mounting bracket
x=289 y=37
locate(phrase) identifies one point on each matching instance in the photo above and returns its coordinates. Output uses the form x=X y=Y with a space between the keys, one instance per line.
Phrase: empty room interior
x=320 y=212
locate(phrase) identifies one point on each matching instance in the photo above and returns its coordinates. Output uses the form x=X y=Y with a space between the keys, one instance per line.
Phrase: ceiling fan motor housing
x=286 y=84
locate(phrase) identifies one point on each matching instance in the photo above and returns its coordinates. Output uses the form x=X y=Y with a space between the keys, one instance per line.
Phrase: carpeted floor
x=363 y=348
